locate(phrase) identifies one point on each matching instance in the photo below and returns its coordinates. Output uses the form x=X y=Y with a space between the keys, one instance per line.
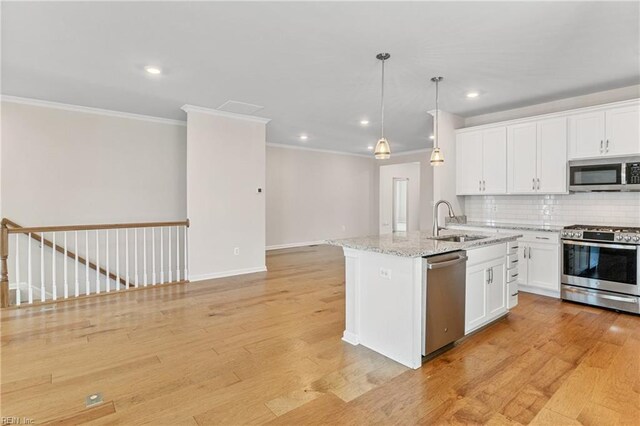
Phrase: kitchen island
x=385 y=287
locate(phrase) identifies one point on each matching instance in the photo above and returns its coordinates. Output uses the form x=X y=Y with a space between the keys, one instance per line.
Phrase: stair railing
x=93 y=259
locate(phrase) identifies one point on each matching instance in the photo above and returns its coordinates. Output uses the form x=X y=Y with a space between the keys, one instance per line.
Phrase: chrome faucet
x=436 y=228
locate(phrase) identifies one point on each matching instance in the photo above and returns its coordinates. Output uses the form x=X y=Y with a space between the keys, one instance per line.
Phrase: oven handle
x=614 y=246
x=601 y=295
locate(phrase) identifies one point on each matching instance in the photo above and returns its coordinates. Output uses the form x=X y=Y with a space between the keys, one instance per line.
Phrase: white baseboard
x=229 y=273
x=350 y=338
x=292 y=245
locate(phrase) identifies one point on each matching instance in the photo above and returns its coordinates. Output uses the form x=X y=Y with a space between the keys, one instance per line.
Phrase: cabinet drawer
x=540 y=237
x=512 y=260
x=512 y=275
x=512 y=247
x=484 y=254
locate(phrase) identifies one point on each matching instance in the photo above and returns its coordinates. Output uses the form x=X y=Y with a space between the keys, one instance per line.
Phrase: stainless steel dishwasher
x=445 y=293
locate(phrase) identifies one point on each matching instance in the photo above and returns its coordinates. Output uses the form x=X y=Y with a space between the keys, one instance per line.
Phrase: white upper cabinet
x=622 y=136
x=521 y=166
x=481 y=162
x=537 y=157
x=610 y=132
x=552 y=156
x=494 y=155
x=586 y=135
x=469 y=163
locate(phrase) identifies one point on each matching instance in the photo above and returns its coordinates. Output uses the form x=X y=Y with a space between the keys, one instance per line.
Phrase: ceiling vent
x=240 y=107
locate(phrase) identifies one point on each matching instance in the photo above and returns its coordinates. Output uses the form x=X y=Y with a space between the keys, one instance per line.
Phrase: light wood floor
x=266 y=348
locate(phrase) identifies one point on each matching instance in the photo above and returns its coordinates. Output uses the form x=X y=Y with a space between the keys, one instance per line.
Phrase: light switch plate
x=385 y=273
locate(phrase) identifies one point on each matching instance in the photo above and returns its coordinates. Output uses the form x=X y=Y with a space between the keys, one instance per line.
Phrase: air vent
x=240 y=107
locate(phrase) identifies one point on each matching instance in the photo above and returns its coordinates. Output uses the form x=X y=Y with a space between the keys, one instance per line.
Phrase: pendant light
x=436 y=156
x=382 y=151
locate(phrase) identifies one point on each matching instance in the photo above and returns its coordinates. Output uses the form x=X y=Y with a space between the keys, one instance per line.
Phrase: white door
x=543 y=268
x=552 y=156
x=475 y=297
x=623 y=131
x=586 y=135
x=494 y=161
x=496 y=289
x=468 y=163
x=521 y=165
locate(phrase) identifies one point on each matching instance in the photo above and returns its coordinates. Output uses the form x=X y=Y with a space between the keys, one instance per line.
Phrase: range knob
x=627 y=238
x=636 y=238
x=571 y=234
x=619 y=237
x=564 y=233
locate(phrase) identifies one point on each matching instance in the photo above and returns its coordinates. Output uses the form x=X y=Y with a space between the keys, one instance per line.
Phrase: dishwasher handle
x=437 y=265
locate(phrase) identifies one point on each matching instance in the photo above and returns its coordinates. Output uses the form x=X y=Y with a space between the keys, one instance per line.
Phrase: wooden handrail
x=4 y=270
x=31 y=229
x=60 y=249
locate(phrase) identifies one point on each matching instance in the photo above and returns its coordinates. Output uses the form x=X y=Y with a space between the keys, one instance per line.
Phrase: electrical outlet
x=385 y=273
x=236 y=251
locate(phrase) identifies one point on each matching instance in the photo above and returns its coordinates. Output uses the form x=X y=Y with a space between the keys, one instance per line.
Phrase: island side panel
x=384 y=305
x=352 y=295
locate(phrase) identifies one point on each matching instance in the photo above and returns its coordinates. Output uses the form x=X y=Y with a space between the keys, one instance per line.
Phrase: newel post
x=4 y=271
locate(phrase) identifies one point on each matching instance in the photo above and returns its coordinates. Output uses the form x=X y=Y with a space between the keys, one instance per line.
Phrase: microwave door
x=596 y=177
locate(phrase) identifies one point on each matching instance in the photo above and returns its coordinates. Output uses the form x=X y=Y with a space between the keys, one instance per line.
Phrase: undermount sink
x=461 y=238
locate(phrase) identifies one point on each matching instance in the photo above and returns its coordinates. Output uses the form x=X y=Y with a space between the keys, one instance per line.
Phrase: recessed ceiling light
x=152 y=70
x=472 y=94
x=364 y=122
x=304 y=137
x=369 y=147
x=431 y=137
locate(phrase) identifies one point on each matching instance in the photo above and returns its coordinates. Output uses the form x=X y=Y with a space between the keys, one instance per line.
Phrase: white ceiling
x=312 y=65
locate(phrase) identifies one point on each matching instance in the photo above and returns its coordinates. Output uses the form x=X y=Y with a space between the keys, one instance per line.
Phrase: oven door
x=612 y=267
x=595 y=176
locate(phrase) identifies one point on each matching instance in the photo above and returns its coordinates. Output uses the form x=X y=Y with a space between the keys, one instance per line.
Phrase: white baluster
x=87 y=285
x=126 y=257
x=66 y=268
x=54 y=288
x=135 y=256
x=153 y=255
x=107 y=260
x=161 y=255
x=43 y=295
x=144 y=256
x=77 y=283
x=18 y=301
x=97 y=261
x=177 y=253
x=185 y=275
x=117 y=260
x=29 y=276
x=169 y=257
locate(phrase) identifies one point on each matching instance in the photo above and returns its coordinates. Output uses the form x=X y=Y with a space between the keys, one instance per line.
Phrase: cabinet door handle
x=529 y=252
x=538 y=179
x=533 y=184
x=484 y=185
x=606 y=147
x=601 y=146
x=480 y=185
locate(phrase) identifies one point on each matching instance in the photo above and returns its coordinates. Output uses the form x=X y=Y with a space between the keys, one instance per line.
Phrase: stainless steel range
x=600 y=266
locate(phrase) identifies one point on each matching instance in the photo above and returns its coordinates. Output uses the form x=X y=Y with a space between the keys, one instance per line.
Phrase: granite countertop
x=516 y=226
x=419 y=243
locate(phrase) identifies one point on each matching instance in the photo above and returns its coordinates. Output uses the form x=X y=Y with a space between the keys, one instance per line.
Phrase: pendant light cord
x=382 y=103
x=437 y=139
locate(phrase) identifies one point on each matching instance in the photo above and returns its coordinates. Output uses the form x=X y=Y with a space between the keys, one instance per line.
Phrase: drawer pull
x=542 y=238
x=514 y=294
x=514 y=261
x=514 y=275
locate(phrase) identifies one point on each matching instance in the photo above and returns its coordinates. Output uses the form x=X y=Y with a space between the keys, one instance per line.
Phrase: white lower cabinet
x=539 y=263
x=486 y=290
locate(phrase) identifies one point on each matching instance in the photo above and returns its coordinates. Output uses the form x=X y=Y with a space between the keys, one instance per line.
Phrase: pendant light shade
x=437 y=158
x=382 y=151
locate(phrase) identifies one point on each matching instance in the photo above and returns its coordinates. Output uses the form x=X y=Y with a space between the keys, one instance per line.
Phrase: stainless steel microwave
x=607 y=174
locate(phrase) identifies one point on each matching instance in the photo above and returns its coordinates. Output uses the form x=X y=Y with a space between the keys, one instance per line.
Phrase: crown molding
x=193 y=108
x=90 y=110
x=324 y=151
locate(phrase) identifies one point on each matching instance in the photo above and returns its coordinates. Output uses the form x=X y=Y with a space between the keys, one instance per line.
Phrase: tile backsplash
x=595 y=208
